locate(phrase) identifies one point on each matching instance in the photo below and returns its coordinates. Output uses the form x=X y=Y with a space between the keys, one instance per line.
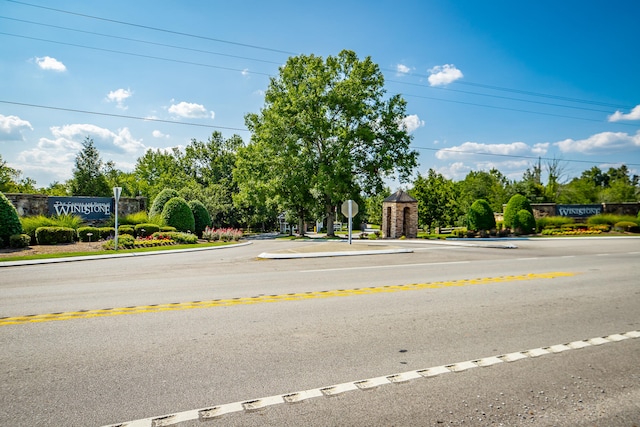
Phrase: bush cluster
x=55 y=235
x=627 y=226
x=83 y=234
x=176 y=213
x=9 y=221
x=201 y=216
x=19 y=240
x=145 y=229
x=161 y=199
x=176 y=236
x=221 y=234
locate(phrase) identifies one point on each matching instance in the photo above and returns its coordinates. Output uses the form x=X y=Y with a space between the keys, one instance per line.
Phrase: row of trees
x=327 y=132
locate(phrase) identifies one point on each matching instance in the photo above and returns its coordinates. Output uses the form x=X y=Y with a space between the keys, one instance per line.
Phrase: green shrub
x=161 y=199
x=176 y=213
x=68 y=221
x=201 y=216
x=609 y=219
x=480 y=216
x=124 y=242
x=83 y=234
x=628 y=226
x=167 y=228
x=372 y=236
x=106 y=232
x=459 y=232
x=133 y=219
x=126 y=229
x=524 y=222
x=176 y=236
x=147 y=229
x=516 y=203
x=19 y=240
x=552 y=222
x=9 y=221
x=55 y=235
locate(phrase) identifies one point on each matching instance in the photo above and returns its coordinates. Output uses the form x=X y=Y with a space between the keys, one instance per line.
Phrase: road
x=119 y=340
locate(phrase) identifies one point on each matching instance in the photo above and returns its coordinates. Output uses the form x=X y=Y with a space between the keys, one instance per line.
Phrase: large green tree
x=88 y=175
x=330 y=133
x=437 y=204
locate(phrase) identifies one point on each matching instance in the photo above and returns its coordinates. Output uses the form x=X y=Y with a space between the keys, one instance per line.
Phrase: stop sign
x=345 y=208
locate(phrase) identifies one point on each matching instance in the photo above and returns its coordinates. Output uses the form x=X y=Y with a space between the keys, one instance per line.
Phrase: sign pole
x=116 y=195
x=350 y=219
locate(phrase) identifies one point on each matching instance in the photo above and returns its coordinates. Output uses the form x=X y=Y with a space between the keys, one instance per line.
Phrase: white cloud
x=158 y=134
x=119 y=96
x=619 y=115
x=190 y=110
x=402 y=69
x=412 y=122
x=455 y=171
x=49 y=63
x=442 y=75
x=245 y=72
x=11 y=128
x=103 y=138
x=472 y=149
x=601 y=142
x=540 y=149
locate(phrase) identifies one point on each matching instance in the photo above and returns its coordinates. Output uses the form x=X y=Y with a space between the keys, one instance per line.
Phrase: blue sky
x=488 y=84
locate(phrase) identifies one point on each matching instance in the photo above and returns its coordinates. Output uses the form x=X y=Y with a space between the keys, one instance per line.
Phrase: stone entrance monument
x=399 y=216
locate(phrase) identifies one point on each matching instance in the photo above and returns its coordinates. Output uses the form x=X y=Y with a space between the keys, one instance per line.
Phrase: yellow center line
x=299 y=296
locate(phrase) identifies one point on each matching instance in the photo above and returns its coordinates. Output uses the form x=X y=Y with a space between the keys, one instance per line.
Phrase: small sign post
x=349 y=209
x=116 y=194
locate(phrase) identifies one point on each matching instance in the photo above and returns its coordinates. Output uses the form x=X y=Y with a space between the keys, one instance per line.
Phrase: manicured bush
x=176 y=213
x=161 y=199
x=552 y=222
x=124 y=242
x=106 y=232
x=9 y=221
x=524 y=222
x=55 y=235
x=627 y=226
x=147 y=229
x=201 y=216
x=516 y=203
x=609 y=219
x=167 y=228
x=83 y=234
x=480 y=216
x=126 y=229
x=19 y=240
x=176 y=236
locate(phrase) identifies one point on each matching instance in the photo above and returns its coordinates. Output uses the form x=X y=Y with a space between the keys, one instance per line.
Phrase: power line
x=139 y=55
x=147 y=27
x=121 y=116
x=491 y=87
x=480 y=153
x=140 y=41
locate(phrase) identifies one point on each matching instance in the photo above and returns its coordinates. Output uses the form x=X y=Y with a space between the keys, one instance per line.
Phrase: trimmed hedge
x=176 y=236
x=83 y=234
x=628 y=226
x=146 y=229
x=126 y=229
x=176 y=213
x=161 y=199
x=480 y=216
x=9 y=221
x=106 y=232
x=516 y=203
x=524 y=222
x=55 y=235
x=201 y=216
x=19 y=240
x=167 y=228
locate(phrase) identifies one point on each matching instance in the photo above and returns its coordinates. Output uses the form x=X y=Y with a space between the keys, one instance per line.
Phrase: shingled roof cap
x=400 y=197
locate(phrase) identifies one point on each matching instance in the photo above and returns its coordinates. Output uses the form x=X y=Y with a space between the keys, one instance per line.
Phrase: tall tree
x=437 y=205
x=159 y=169
x=88 y=174
x=8 y=177
x=331 y=127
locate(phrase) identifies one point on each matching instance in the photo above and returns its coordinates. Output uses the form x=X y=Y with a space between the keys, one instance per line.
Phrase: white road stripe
x=367 y=384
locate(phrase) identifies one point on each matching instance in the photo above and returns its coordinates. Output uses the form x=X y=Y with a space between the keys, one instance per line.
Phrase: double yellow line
x=156 y=308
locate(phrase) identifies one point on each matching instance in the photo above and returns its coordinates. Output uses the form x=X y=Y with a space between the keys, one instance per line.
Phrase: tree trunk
x=301 y=227
x=330 y=219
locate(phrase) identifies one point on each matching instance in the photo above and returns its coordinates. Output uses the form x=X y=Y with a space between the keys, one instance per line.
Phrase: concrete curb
x=124 y=255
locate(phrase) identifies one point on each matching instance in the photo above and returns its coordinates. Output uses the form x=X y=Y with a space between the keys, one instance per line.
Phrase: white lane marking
x=602 y=254
x=370 y=267
x=367 y=384
x=527 y=259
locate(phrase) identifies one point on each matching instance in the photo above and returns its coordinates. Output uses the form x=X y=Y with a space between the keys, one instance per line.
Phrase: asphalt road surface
x=544 y=334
